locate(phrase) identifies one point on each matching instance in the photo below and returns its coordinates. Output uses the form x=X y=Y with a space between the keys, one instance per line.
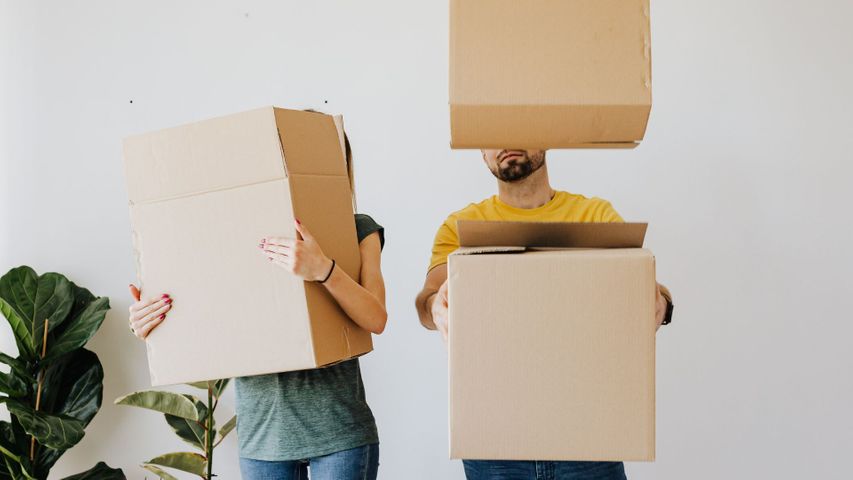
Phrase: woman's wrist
x=328 y=271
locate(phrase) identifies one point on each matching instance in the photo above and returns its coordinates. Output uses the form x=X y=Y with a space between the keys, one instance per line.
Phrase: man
x=524 y=194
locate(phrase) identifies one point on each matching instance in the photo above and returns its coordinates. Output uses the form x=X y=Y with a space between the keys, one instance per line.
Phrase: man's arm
x=663 y=305
x=434 y=288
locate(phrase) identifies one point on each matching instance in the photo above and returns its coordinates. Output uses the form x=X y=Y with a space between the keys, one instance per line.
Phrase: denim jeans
x=530 y=470
x=360 y=463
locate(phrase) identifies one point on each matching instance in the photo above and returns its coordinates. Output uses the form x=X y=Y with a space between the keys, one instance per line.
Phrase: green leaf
x=33 y=299
x=79 y=329
x=217 y=385
x=184 y=461
x=101 y=471
x=73 y=386
x=164 y=475
x=53 y=431
x=16 y=364
x=226 y=429
x=191 y=431
x=23 y=337
x=12 y=385
x=164 y=402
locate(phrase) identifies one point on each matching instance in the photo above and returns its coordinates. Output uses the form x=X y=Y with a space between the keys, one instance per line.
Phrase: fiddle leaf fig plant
x=192 y=420
x=54 y=386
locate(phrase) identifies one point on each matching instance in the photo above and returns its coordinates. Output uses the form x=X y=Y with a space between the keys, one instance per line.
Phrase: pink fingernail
x=162 y=316
x=165 y=295
x=168 y=301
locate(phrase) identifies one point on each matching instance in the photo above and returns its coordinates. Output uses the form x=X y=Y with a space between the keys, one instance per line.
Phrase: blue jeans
x=360 y=463
x=530 y=470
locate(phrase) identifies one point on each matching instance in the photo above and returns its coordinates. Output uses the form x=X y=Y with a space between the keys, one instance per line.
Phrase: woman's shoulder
x=366 y=225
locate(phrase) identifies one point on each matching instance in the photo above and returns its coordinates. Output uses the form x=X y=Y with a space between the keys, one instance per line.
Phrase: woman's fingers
x=279 y=241
x=141 y=322
x=269 y=248
x=151 y=306
x=143 y=304
x=134 y=292
x=146 y=329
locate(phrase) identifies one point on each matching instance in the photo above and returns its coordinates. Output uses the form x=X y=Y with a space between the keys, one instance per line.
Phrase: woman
x=318 y=418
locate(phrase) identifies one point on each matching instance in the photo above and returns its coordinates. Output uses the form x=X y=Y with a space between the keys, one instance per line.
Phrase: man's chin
x=514 y=174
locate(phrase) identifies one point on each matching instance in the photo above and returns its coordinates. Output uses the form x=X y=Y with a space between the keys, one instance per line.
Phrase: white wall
x=744 y=177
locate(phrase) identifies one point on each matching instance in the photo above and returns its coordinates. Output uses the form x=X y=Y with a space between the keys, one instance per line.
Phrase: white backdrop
x=744 y=176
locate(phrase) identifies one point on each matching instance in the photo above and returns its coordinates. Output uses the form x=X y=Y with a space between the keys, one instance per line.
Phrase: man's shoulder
x=473 y=211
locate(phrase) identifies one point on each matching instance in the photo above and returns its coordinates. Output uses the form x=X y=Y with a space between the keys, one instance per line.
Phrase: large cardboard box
x=201 y=197
x=540 y=74
x=552 y=342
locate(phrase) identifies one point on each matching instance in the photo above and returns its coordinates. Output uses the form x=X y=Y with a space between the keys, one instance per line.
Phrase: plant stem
x=209 y=444
x=38 y=391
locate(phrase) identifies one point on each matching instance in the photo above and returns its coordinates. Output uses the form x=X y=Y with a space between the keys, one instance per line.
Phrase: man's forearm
x=423 y=303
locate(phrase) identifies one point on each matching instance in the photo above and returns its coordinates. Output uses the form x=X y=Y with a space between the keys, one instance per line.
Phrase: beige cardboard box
x=552 y=342
x=549 y=73
x=201 y=197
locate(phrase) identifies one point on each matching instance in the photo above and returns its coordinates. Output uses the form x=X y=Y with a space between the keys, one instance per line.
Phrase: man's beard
x=518 y=169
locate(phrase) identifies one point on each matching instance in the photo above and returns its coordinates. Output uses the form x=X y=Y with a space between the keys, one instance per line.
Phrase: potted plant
x=54 y=386
x=192 y=420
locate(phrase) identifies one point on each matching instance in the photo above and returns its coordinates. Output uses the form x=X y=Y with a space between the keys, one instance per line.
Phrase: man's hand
x=438 y=308
x=660 y=306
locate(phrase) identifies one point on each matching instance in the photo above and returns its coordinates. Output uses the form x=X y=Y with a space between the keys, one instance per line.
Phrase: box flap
x=478 y=233
x=201 y=157
x=303 y=156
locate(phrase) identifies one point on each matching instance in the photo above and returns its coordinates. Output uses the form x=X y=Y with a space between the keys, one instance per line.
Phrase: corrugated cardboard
x=201 y=197
x=544 y=74
x=551 y=346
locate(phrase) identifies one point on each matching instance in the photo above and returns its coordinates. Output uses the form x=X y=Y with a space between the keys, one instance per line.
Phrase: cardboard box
x=544 y=74
x=552 y=342
x=201 y=197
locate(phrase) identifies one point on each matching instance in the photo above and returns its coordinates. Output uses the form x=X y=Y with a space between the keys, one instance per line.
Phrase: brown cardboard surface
x=549 y=73
x=201 y=197
x=551 y=352
x=478 y=233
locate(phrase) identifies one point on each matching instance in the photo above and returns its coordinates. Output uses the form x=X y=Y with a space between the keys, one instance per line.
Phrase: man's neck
x=531 y=192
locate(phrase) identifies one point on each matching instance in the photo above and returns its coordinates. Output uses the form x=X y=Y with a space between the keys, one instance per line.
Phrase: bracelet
x=329 y=274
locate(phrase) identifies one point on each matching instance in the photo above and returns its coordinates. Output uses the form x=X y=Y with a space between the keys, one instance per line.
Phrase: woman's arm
x=363 y=301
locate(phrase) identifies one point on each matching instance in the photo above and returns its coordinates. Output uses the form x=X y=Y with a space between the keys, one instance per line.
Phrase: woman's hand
x=145 y=315
x=303 y=257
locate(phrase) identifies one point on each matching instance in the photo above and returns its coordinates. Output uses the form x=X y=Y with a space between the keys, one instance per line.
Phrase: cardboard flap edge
x=479 y=233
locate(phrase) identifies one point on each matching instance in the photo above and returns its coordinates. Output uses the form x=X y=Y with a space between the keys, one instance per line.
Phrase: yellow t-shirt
x=563 y=207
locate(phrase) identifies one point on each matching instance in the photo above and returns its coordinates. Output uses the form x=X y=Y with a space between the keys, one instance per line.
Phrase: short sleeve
x=607 y=214
x=446 y=241
x=366 y=225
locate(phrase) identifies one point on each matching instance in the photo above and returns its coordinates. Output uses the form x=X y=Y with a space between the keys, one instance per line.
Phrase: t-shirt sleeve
x=366 y=225
x=607 y=214
x=446 y=241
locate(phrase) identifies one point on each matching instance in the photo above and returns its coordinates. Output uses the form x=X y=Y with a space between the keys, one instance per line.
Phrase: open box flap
x=503 y=234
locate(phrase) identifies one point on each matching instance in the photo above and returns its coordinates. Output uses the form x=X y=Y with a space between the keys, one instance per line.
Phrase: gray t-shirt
x=308 y=413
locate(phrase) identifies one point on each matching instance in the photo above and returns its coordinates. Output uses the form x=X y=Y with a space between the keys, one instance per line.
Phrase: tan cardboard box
x=201 y=197
x=542 y=74
x=552 y=342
